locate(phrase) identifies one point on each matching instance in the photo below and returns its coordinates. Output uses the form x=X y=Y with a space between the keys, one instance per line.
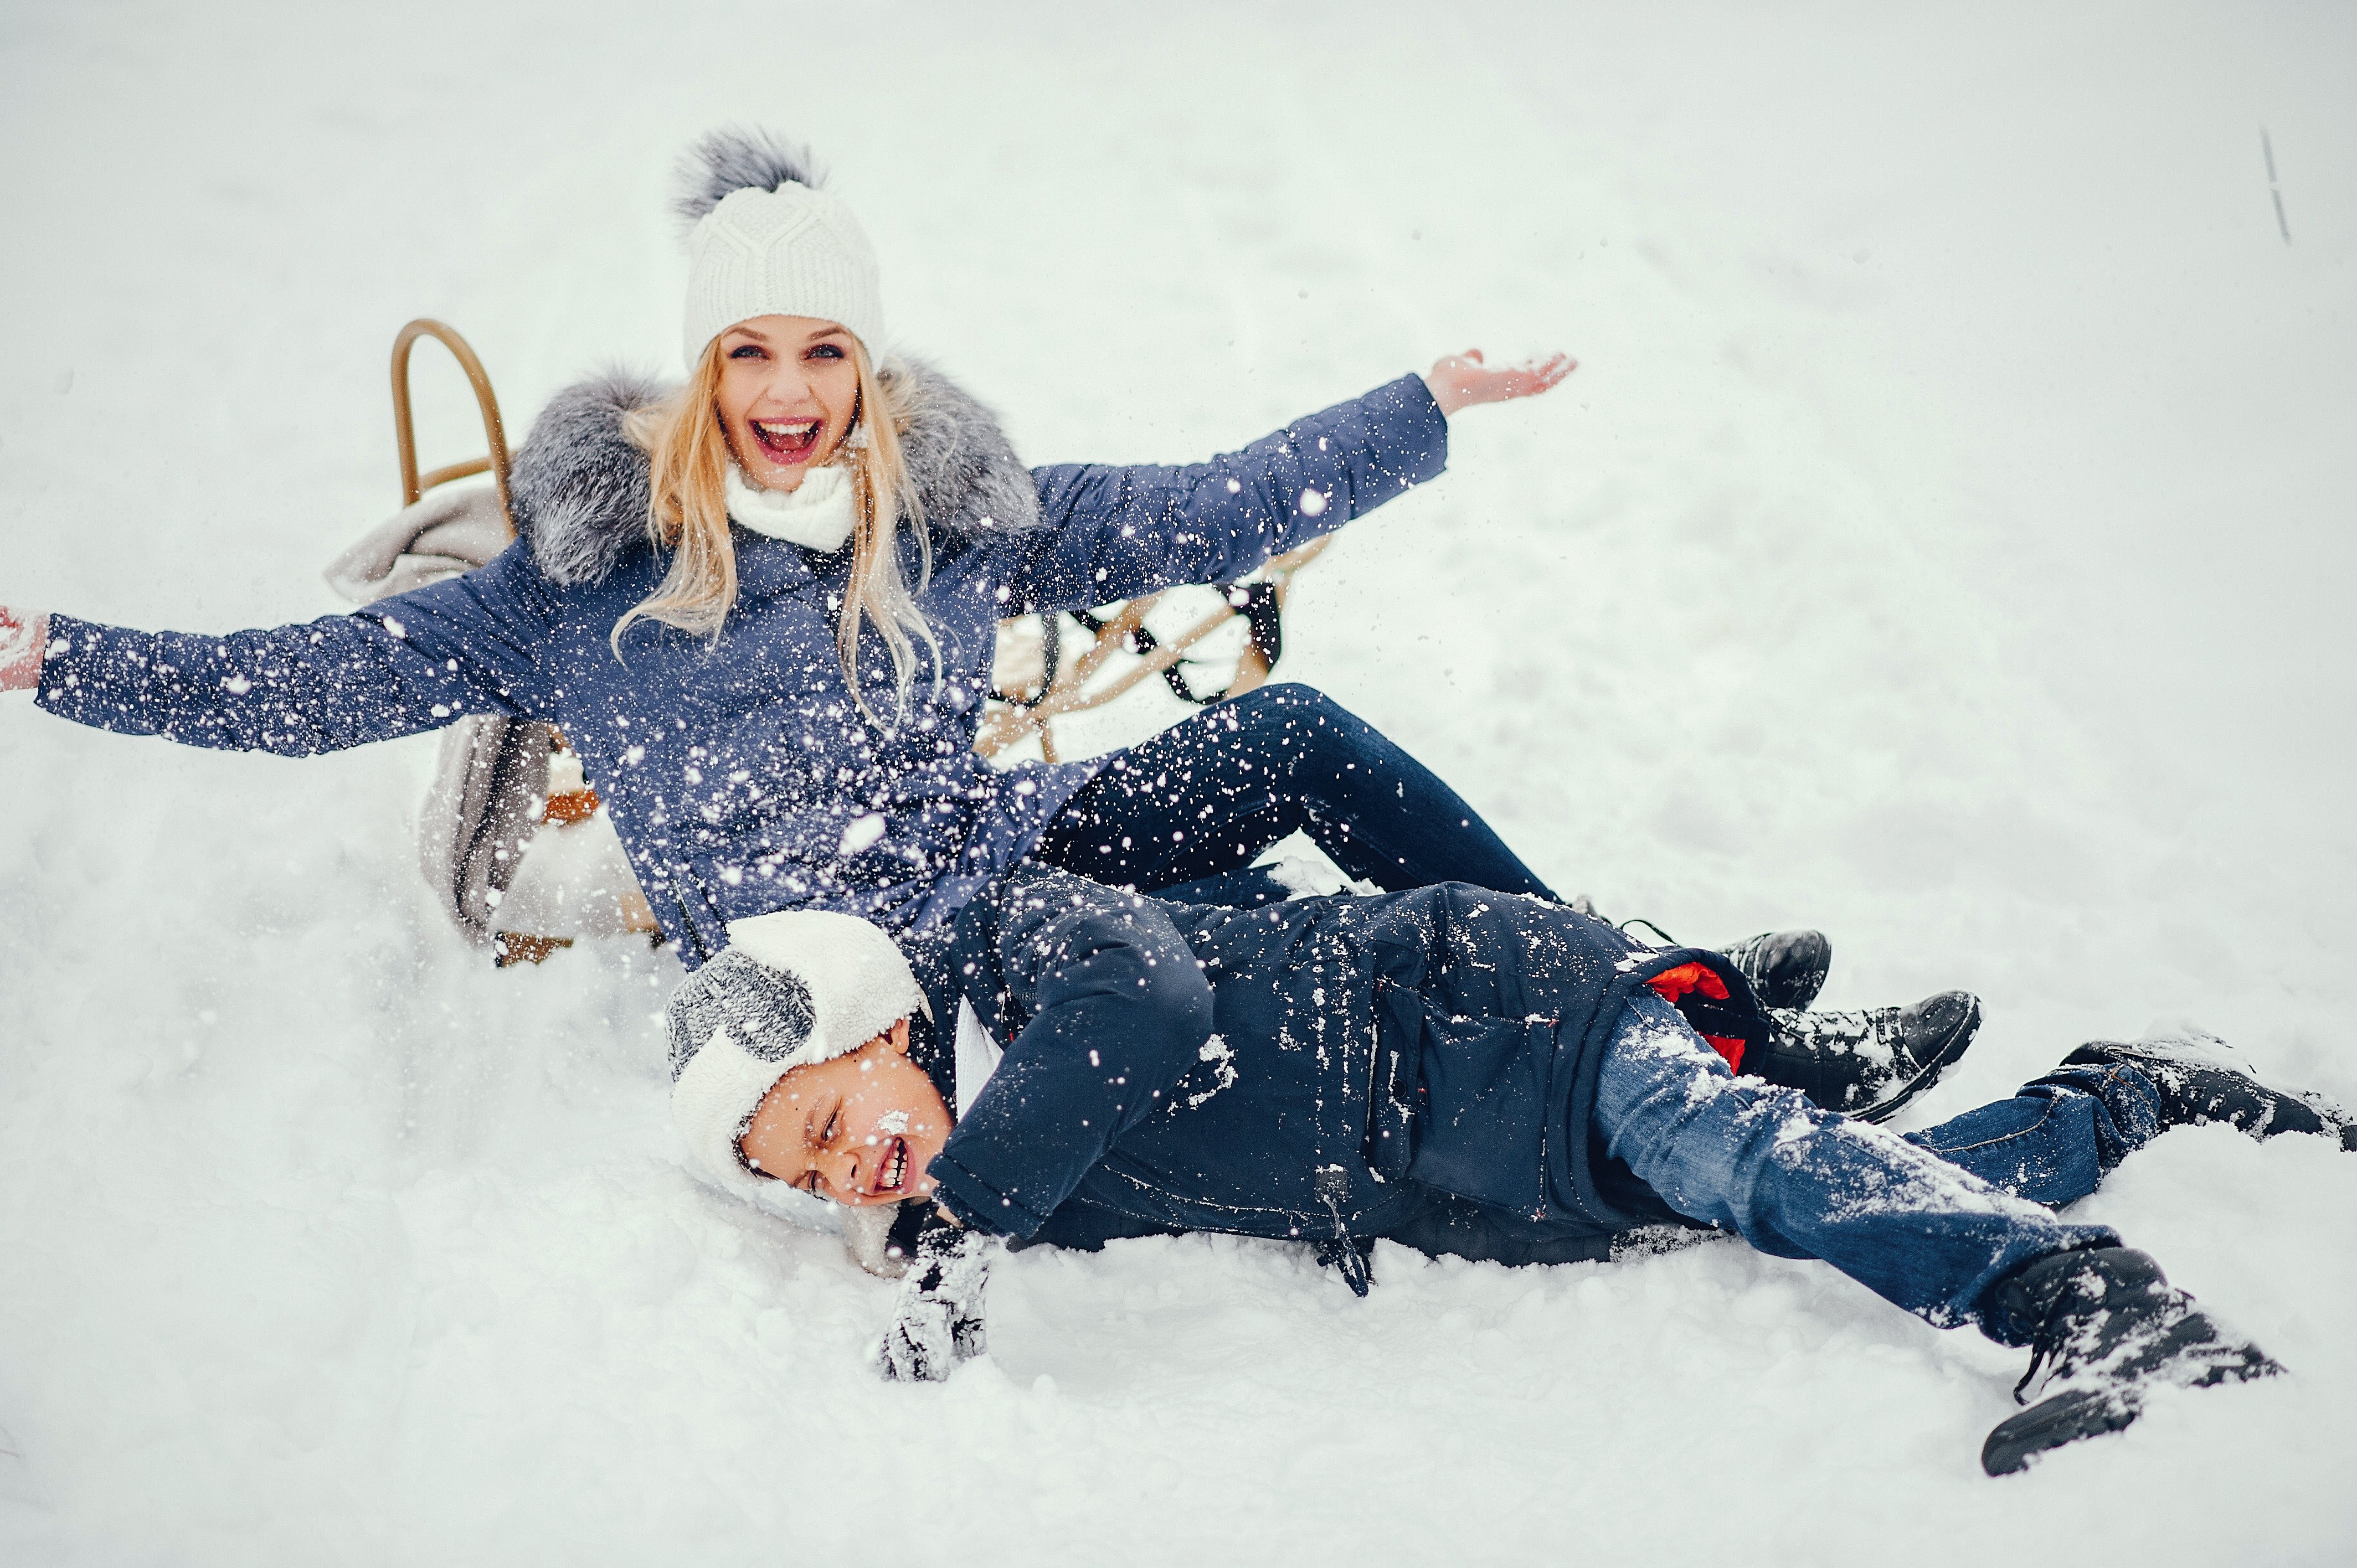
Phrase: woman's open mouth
x=892 y=1169
x=786 y=441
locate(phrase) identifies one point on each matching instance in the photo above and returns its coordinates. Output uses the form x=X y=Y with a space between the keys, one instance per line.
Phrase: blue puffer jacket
x=739 y=773
x=1417 y=1065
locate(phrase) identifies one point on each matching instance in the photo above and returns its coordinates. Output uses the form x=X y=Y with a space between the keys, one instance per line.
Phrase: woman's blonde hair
x=687 y=513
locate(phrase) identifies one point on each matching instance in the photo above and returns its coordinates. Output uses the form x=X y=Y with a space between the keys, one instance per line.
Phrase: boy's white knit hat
x=798 y=986
x=766 y=241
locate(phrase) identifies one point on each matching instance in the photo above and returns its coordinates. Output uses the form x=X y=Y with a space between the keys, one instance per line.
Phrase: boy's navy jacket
x=739 y=770
x=1417 y=1065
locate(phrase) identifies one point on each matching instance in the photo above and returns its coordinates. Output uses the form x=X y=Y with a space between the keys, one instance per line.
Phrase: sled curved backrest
x=495 y=463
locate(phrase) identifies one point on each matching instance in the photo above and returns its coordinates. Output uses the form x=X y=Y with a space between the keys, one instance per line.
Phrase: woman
x=761 y=608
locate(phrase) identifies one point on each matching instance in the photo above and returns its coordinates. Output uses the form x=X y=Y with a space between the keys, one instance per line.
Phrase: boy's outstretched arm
x=1119 y=1011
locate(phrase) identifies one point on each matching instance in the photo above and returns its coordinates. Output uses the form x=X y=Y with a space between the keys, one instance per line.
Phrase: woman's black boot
x=2105 y=1329
x=1786 y=969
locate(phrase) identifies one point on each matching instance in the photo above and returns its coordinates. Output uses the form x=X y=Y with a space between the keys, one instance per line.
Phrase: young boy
x=1460 y=1070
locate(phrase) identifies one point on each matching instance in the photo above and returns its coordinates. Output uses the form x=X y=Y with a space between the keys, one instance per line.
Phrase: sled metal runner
x=1027 y=705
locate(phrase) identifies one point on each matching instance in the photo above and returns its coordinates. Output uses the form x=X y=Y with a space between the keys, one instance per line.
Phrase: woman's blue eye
x=830 y=350
x=748 y=351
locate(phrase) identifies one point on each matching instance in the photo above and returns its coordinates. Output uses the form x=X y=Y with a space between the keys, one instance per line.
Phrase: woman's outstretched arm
x=415 y=661
x=1114 y=533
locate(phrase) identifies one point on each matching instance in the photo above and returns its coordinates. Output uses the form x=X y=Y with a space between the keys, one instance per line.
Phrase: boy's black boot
x=2105 y=1329
x=1786 y=969
x=1868 y=1063
x=2198 y=1083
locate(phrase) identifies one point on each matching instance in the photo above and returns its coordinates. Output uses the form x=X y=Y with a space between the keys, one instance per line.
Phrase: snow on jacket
x=739 y=773
x=1418 y=1065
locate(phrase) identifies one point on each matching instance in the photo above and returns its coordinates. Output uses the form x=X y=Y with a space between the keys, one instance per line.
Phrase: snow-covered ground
x=1945 y=542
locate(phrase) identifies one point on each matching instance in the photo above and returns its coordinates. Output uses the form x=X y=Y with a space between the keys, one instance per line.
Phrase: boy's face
x=858 y=1130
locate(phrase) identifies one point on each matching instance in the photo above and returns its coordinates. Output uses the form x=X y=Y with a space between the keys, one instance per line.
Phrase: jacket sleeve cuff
x=94 y=675
x=979 y=1206
x=1413 y=433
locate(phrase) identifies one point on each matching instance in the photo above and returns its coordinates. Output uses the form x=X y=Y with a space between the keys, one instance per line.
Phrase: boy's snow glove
x=2105 y=1329
x=937 y=1321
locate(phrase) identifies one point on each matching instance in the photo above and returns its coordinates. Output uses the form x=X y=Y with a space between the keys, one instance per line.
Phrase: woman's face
x=858 y=1130
x=789 y=388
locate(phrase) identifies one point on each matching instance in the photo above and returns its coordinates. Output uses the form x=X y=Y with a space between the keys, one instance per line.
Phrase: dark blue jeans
x=1184 y=814
x=1928 y=1223
x=2057 y=1137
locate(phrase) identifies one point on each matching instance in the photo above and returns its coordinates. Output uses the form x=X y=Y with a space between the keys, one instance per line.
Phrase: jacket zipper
x=1333 y=1183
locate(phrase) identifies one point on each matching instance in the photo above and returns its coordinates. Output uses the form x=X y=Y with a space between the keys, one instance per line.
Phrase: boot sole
x=2049 y=1424
x=1959 y=1042
x=2090 y=1412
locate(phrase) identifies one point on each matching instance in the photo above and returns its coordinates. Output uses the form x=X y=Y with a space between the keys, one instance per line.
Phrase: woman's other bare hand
x=1461 y=380
x=24 y=637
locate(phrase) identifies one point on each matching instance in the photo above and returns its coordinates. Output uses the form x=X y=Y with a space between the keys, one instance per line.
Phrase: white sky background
x=1944 y=543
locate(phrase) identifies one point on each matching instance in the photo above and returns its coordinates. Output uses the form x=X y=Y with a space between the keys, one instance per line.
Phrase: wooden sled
x=509 y=834
x=513 y=837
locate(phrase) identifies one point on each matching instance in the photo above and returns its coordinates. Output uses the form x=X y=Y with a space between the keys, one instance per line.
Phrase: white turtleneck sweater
x=816 y=514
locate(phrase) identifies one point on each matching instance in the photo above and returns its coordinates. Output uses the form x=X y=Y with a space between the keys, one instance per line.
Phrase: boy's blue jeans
x=2057 y=1137
x=1928 y=1222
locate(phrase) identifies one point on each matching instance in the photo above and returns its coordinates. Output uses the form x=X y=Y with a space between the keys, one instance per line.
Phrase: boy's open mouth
x=892 y=1170
x=786 y=440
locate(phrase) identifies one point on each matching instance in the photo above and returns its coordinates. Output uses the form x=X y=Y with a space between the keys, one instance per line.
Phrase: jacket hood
x=579 y=487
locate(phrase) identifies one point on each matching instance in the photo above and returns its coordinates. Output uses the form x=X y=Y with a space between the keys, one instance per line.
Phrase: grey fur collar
x=580 y=488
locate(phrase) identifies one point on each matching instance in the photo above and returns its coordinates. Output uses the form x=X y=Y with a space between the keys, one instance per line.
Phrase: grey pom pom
x=726 y=161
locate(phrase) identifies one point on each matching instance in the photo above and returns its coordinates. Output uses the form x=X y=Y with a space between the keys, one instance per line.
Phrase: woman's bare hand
x=1461 y=380
x=24 y=637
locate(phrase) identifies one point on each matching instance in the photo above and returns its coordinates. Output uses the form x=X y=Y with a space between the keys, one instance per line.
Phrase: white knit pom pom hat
x=795 y=987
x=767 y=241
